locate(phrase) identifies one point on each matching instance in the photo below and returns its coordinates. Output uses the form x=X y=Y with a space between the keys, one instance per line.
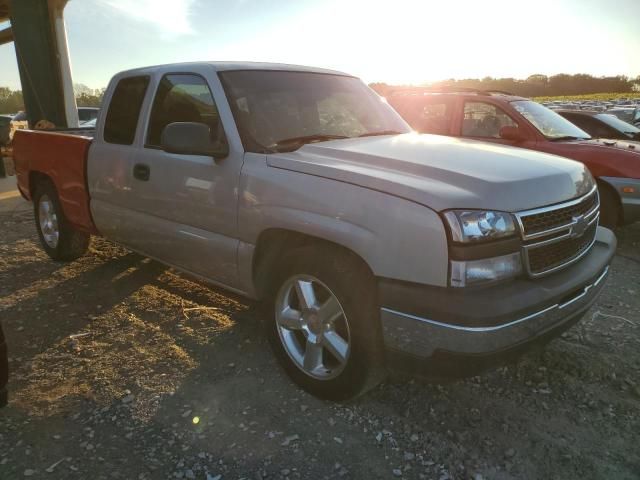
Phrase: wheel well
x=615 y=196
x=272 y=244
x=36 y=178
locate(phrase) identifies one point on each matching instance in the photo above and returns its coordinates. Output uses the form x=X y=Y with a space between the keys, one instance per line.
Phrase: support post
x=43 y=61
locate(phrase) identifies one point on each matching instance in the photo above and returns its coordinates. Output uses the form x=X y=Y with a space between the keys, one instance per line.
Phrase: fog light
x=469 y=272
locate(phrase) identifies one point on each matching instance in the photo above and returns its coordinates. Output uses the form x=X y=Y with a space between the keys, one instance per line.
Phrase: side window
x=434 y=117
x=484 y=120
x=183 y=98
x=124 y=110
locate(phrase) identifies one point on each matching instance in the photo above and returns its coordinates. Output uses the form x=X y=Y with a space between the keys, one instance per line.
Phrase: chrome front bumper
x=480 y=322
x=422 y=336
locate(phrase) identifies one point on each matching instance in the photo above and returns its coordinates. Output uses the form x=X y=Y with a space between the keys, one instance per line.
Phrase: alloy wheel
x=313 y=327
x=48 y=221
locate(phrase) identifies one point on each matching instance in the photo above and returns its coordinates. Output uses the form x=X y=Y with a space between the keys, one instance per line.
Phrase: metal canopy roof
x=6 y=34
x=4 y=10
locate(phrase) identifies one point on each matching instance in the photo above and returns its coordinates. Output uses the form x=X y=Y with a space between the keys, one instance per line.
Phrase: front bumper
x=425 y=321
x=630 y=201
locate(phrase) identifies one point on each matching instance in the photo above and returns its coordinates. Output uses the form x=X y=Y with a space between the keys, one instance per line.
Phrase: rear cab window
x=124 y=110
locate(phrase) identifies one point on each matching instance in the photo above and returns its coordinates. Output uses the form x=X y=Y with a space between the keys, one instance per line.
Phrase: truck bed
x=60 y=156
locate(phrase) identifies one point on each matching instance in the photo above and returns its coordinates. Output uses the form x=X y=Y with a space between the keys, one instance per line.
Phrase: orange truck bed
x=62 y=158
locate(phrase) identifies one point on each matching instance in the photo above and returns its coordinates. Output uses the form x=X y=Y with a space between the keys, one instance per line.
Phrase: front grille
x=556 y=236
x=552 y=256
x=550 y=219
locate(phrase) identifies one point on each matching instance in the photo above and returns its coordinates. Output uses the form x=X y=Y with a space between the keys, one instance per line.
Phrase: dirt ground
x=121 y=368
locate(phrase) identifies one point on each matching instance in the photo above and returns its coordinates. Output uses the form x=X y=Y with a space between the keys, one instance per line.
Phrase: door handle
x=141 y=171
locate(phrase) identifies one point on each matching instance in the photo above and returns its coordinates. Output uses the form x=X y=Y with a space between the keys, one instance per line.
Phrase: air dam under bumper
x=486 y=320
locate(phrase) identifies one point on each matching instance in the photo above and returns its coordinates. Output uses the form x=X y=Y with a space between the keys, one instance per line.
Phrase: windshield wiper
x=380 y=133
x=297 y=142
x=567 y=137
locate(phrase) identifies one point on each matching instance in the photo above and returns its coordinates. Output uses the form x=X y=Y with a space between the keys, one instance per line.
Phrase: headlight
x=477 y=225
x=464 y=273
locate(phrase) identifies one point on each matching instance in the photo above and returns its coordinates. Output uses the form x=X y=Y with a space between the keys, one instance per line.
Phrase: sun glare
x=413 y=41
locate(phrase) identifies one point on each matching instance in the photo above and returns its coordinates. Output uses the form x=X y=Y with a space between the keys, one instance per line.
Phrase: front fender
x=397 y=238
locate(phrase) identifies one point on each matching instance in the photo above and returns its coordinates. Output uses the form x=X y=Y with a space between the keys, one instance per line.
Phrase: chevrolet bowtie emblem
x=580 y=225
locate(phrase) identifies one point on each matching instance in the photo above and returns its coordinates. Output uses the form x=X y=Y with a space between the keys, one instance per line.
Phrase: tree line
x=533 y=86
x=536 y=85
x=11 y=101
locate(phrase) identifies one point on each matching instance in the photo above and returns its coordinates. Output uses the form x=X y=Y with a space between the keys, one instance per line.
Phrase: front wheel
x=59 y=239
x=325 y=327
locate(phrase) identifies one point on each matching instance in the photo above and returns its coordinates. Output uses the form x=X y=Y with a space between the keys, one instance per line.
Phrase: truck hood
x=443 y=172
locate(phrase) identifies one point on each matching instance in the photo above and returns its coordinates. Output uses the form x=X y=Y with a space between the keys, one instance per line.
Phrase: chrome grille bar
x=569 y=232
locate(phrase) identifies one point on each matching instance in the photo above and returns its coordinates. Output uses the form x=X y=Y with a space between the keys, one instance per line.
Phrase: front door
x=186 y=205
x=483 y=121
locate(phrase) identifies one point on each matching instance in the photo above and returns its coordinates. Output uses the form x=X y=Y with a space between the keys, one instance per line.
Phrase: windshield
x=548 y=122
x=626 y=115
x=618 y=124
x=283 y=110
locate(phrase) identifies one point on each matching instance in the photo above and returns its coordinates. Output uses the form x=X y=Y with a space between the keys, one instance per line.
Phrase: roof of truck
x=424 y=92
x=230 y=66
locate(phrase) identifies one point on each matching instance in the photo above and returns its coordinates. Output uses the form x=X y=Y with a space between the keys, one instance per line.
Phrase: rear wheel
x=609 y=207
x=58 y=238
x=325 y=327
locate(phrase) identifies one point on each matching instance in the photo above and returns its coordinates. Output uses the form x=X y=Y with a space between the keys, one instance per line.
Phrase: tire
x=609 y=208
x=58 y=238
x=345 y=288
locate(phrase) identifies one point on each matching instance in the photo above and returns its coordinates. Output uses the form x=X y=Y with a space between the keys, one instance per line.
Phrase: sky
x=397 y=42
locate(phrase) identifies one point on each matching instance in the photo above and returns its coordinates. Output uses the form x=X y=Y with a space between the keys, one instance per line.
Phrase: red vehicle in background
x=506 y=119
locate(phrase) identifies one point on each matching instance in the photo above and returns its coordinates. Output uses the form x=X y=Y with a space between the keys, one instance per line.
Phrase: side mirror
x=190 y=138
x=512 y=133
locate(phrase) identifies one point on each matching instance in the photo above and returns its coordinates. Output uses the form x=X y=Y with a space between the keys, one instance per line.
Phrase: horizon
x=380 y=47
x=81 y=88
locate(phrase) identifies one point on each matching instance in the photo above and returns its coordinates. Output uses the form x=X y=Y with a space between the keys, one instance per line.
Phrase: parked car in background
x=89 y=123
x=9 y=123
x=4 y=368
x=86 y=114
x=302 y=188
x=5 y=129
x=519 y=122
x=602 y=125
x=627 y=114
x=21 y=116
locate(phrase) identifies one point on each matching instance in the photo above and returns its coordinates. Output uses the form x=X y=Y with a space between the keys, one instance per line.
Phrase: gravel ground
x=121 y=368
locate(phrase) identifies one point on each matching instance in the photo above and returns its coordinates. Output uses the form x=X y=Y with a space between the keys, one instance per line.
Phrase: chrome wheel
x=312 y=327
x=48 y=221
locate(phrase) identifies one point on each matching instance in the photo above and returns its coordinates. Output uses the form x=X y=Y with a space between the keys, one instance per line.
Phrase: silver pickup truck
x=303 y=188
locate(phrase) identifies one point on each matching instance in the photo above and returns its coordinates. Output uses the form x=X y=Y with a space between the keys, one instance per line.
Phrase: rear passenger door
x=434 y=115
x=111 y=155
x=186 y=205
x=426 y=114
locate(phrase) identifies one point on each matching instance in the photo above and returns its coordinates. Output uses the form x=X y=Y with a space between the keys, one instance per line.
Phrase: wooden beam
x=6 y=36
x=5 y=10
